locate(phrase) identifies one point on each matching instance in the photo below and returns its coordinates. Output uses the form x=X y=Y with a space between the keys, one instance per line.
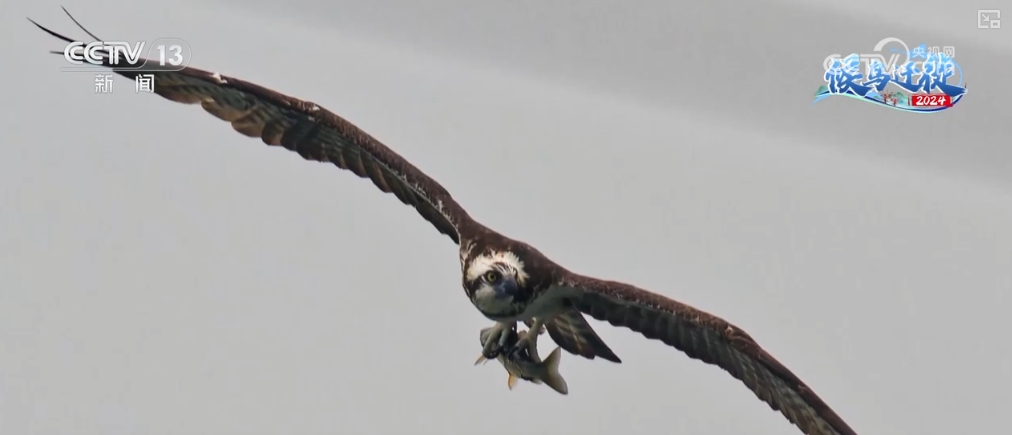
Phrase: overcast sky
x=162 y=274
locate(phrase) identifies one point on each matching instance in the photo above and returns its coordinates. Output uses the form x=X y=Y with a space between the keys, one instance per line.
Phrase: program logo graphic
x=164 y=54
x=923 y=79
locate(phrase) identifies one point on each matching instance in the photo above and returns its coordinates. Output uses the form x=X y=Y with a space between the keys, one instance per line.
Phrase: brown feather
x=573 y=334
x=708 y=338
x=313 y=132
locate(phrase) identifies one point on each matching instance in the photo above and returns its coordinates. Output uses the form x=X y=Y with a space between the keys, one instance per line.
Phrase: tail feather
x=552 y=376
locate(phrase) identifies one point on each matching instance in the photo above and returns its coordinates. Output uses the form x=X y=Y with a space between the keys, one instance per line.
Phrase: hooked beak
x=506 y=288
x=496 y=298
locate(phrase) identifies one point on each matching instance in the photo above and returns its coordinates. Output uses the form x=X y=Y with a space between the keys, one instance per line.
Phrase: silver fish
x=526 y=364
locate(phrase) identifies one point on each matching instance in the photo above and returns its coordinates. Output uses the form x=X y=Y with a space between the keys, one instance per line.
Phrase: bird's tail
x=552 y=377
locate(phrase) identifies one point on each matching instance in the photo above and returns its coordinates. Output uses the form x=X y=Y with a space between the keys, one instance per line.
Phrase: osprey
x=507 y=280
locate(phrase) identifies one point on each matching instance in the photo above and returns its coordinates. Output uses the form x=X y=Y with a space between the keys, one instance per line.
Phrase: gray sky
x=160 y=273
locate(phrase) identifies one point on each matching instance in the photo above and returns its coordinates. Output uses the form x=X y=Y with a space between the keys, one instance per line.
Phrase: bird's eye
x=491 y=276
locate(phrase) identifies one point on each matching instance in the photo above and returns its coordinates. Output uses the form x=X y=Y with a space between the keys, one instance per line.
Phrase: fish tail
x=552 y=377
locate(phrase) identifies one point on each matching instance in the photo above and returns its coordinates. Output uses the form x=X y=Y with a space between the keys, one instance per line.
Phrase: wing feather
x=571 y=331
x=309 y=130
x=708 y=338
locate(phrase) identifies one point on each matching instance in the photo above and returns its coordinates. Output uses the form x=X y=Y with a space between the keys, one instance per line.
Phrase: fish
x=526 y=364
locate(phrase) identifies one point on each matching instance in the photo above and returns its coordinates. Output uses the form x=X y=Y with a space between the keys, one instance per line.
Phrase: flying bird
x=507 y=280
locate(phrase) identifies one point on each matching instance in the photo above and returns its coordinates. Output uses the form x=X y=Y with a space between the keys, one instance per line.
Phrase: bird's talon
x=493 y=338
x=491 y=350
x=491 y=353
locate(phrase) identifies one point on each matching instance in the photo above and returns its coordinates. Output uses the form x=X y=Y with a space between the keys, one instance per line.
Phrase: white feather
x=485 y=300
x=485 y=262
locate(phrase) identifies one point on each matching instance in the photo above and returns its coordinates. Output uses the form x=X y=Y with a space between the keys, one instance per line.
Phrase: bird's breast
x=545 y=304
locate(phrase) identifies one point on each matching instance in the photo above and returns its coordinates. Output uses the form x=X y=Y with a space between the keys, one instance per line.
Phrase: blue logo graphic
x=926 y=80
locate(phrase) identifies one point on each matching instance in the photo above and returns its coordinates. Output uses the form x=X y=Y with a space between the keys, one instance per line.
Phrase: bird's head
x=495 y=281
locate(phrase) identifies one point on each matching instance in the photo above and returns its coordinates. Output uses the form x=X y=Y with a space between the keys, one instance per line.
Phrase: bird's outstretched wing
x=571 y=332
x=705 y=337
x=311 y=131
